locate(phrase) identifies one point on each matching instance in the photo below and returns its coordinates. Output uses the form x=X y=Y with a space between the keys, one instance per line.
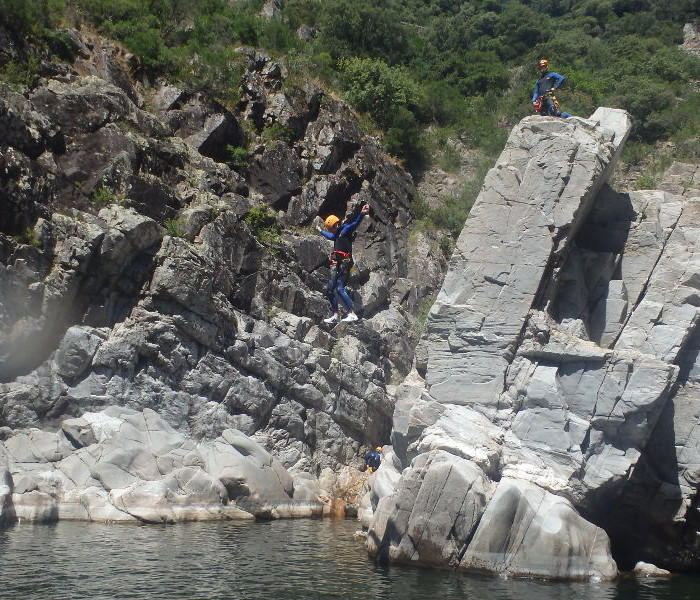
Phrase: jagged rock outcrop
x=146 y=266
x=556 y=351
x=691 y=39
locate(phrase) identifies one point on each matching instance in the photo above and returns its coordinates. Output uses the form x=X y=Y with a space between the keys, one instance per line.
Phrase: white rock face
x=561 y=340
x=123 y=465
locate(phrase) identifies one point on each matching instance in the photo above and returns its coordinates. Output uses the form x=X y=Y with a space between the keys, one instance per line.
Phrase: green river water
x=286 y=559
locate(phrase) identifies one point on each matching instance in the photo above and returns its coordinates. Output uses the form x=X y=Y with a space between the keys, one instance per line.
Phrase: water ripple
x=280 y=560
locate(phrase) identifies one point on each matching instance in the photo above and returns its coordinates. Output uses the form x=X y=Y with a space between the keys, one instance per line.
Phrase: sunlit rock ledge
x=120 y=465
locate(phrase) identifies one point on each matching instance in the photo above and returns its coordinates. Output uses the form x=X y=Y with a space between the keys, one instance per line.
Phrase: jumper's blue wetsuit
x=548 y=81
x=341 y=263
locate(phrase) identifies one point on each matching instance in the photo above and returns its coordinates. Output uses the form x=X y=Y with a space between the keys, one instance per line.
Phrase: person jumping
x=341 y=263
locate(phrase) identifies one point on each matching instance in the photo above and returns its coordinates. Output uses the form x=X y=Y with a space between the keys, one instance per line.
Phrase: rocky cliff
x=554 y=412
x=157 y=255
x=161 y=357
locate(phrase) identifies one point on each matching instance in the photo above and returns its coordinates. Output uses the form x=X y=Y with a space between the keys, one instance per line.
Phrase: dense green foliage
x=462 y=66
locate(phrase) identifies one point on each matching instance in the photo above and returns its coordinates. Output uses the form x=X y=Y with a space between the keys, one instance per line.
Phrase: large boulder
x=529 y=532
x=519 y=399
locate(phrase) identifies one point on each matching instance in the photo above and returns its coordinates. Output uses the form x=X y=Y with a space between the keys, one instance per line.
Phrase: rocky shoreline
x=162 y=357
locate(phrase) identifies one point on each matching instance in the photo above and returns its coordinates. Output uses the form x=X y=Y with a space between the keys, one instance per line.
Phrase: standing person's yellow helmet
x=543 y=63
x=330 y=221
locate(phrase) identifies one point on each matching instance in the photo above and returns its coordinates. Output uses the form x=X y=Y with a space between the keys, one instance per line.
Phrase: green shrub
x=422 y=315
x=263 y=224
x=29 y=237
x=646 y=100
x=687 y=133
x=301 y=12
x=474 y=72
x=238 y=157
x=175 y=227
x=646 y=182
x=31 y=18
x=451 y=159
x=216 y=71
x=103 y=196
x=147 y=44
x=363 y=28
x=276 y=36
x=453 y=211
x=60 y=44
x=277 y=132
x=577 y=103
x=377 y=88
x=21 y=74
x=688 y=148
x=404 y=139
x=635 y=153
x=441 y=104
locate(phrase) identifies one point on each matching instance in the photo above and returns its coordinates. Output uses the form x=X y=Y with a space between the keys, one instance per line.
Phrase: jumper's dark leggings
x=336 y=284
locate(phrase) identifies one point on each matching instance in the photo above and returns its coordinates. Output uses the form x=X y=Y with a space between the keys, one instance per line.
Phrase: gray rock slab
x=133 y=466
x=530 y=205
x=527 y=531
x=76 y=350
x=664 y=317
x=432 y=513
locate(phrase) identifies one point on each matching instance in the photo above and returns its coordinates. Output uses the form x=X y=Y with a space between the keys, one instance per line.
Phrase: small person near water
x=341 y=263
x=373 y=459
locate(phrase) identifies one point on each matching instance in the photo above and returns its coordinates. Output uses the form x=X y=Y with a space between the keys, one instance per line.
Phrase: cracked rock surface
x=560 y=385
x=157 y=252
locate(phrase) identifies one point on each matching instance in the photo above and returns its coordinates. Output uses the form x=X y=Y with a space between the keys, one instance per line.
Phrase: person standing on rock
x=543 y=100
x=341 y=263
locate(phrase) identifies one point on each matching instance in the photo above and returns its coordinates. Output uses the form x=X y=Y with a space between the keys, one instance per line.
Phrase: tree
x=365 y=28
x=377 y=88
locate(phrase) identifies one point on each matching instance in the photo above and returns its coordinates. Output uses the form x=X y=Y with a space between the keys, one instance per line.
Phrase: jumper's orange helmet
x=330 y=221
x=543 y=63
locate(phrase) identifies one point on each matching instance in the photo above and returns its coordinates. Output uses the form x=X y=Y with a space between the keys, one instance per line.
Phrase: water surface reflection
x=285 y=560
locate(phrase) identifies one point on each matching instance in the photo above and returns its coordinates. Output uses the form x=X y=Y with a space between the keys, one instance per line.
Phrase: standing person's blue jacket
x=548 y=80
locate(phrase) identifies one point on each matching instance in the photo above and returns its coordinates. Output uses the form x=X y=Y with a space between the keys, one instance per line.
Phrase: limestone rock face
x=157 y=252
x=558 y=368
